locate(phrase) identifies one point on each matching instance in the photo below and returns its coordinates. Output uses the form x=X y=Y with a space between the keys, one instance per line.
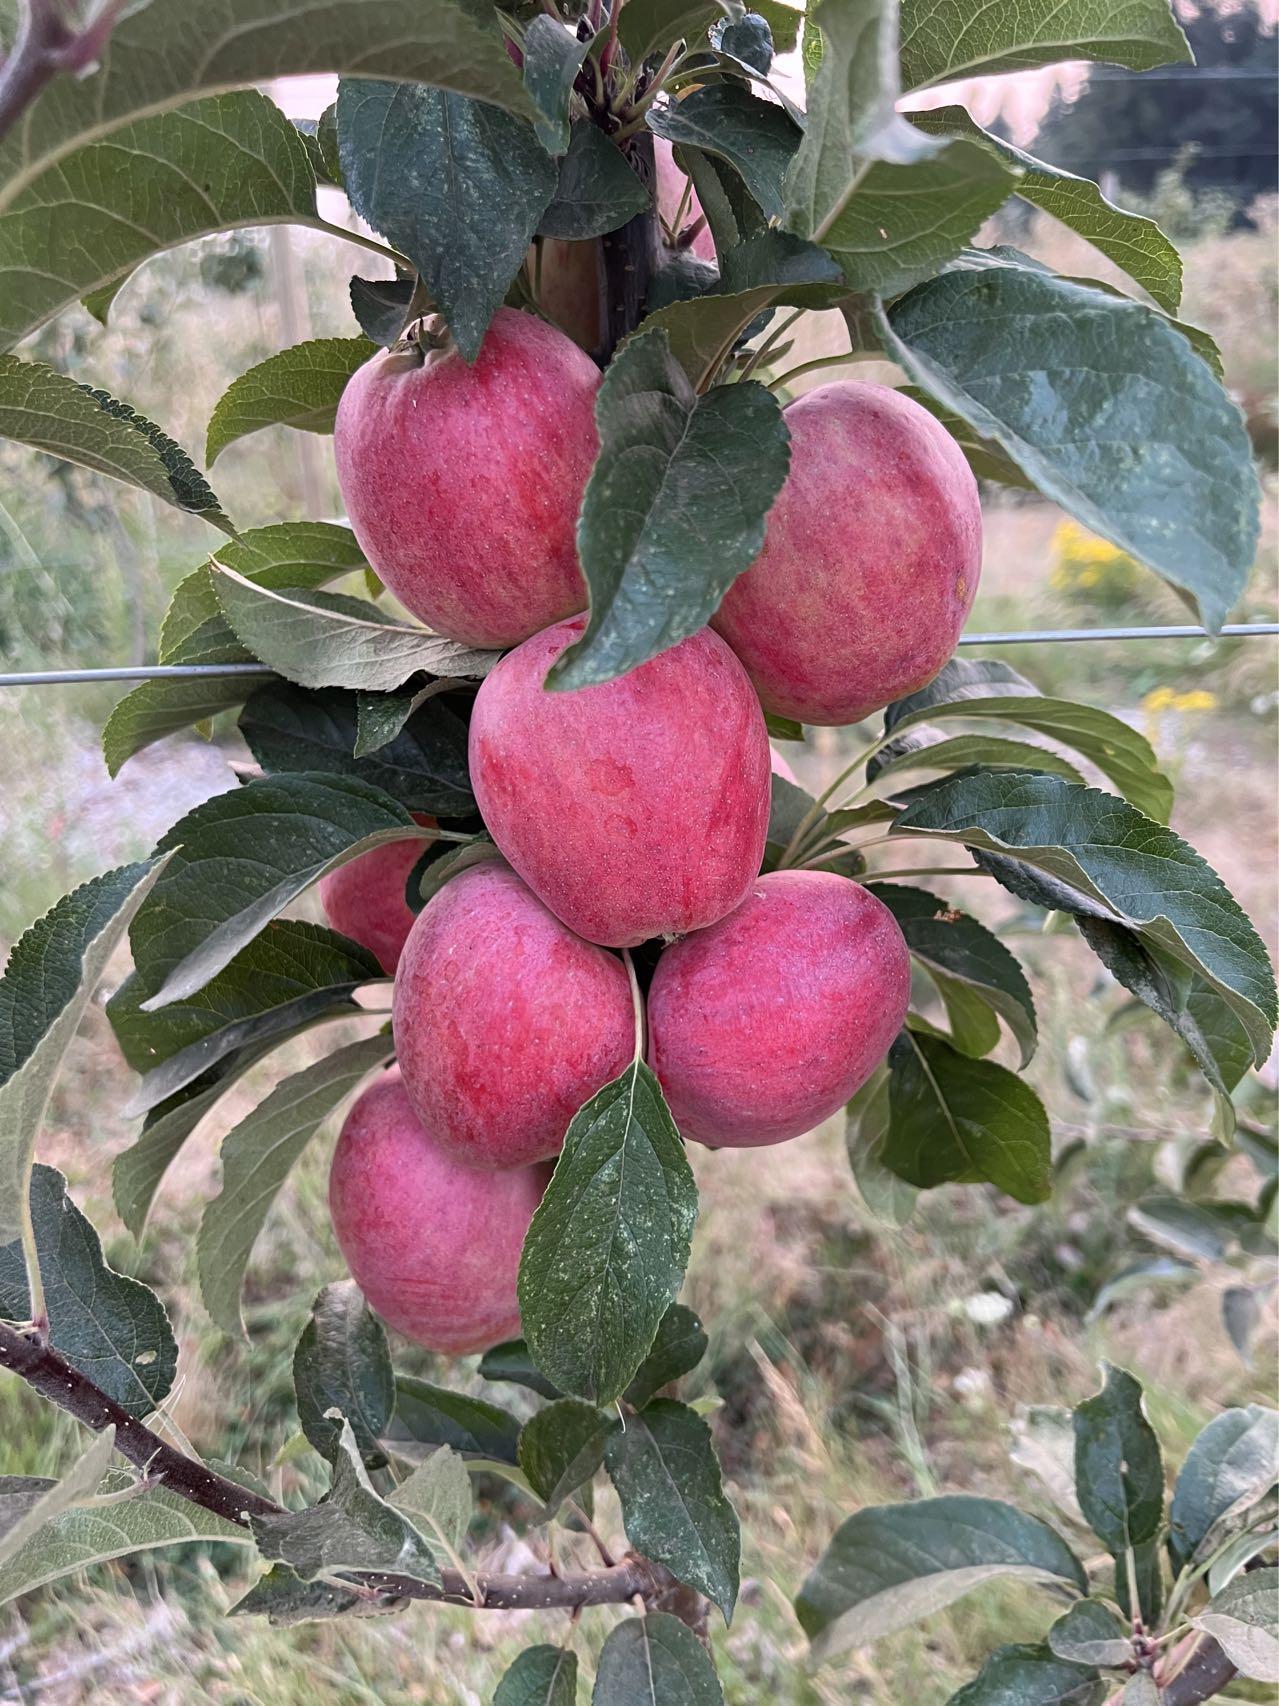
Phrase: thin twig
x=47 y=45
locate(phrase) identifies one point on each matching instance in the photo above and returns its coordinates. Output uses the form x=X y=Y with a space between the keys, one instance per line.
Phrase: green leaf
x=239 y=859
x=1091 y=1634
x=655 y=1661
x=987 y=691
x=158 y=61
x=79 y=1538
x=353 y=1529
x=76 y=423
x=1119 y=1472
x=52 y=972
x=430 y=1415
x=664 y=1467
x=674 y=510
x=456 y=185
x=562 y=1446
x=1230 y=1467
x=511 y=1361
x=328 y=640
x=553 y=57
x=1104 y=406
x=926 y=749
x=300 y=387
x=285 y=1600
x=24 y=1513
x=891 y=1565
x=757 y=138
x=783 y=20
x=256 y=1157
x=607 y=1248
x=942 y=40
x=422 y=763
x=956 y=950
x=1132 y=242
x=540 y=1676
x=1026 y=1675
x=679 y=1346
x=162 y=707
x=110 y=1327
x=890 y=1199
x=290 y=977
x=654 y=25
x=1095 y=855
x=381 y=306
x=230 y=160
x=953 y=1120
x=747 y=42
x=1243 y=1619
x=987 y=459
x=598 y=191
x=342 y=1363
x=437 y=1498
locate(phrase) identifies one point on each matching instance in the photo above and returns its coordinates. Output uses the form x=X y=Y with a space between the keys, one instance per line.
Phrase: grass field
x=849 y=1360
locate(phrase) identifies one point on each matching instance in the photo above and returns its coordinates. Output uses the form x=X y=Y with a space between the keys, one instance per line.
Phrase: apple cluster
x=632 y=812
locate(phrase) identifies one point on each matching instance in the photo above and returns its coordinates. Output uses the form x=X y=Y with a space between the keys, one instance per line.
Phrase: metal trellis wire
x=1013 y=637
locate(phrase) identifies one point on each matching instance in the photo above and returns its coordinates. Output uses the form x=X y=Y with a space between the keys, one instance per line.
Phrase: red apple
x=365 y=898
x=463 y=483
x=675 y=190
x=434 y=1246
x=632 y=809
x=764 y=1025
x=505 y=1021
x=870 y=563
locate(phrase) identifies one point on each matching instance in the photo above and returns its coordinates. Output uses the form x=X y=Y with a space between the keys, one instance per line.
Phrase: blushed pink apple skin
x=462 y=484
x=671 y=187
x=870 y=563
x=764 y=1025
x=364 y=899
x=505 y=1021
x=634 y=808
x=434 y=1246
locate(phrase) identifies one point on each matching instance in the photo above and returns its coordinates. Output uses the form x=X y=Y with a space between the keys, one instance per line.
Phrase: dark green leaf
x=679 y=1346
x=1096 y=855
x=1091 y=1634
x=300 y=387
x=664 y=1467
x=891 y=1565
x=430 y=1415
x=456 y=185
x=783 y=20
x=890 y=1199
x=1119 y=1472
x=1197 y=1230
x=1106 y=408
x=540 y=1676
x=674 y=510
x=655 y=1661
x=756 y=137
x=962 y=1121
x=112 y=1328
x=353 y=1529
x=942 y=40
x=1134 y=243
x=1025 y=1675
x=51 y=974
x=607 y=1248
x=239 y=859
x=1230 y=1467
x=553 y=56
x=381 y=305
x=78 y=424
x=287 y=979
x=562 y=1446
x=284 y=1599
x=231 y=160
x=422 y=764
x=956 y=949
x=79 y=1538
x=342 y=1363
x=1243 y=1619
x=651 y=26
x=597 y=191
x=927 y=749
x=513 y=1363
x=256 y=1157
x=749 y=41
x=320 y=639
x=987 y=459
